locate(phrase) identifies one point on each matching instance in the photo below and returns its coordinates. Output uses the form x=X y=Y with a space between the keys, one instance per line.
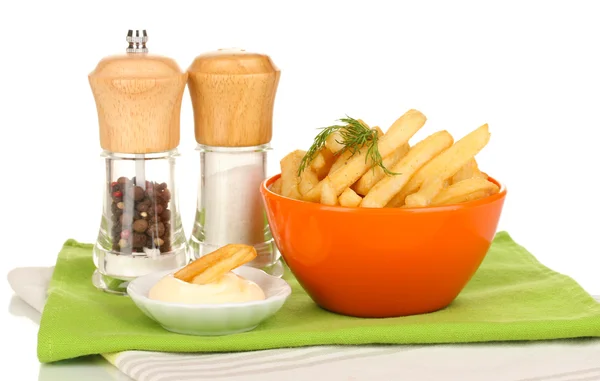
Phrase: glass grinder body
x=138 y=100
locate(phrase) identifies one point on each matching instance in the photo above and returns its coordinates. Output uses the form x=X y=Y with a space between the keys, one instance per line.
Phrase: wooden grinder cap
x=138 y=99
x=233 y=93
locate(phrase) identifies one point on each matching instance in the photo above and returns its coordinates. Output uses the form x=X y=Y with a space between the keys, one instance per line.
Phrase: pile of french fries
x=435 y=171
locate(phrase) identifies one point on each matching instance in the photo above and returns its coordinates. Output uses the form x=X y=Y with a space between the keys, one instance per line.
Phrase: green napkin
x=512 y=297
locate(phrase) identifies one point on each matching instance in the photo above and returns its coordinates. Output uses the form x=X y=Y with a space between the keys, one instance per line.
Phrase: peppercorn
x=166 y=215
x=156 y=230
x=125 y=234
x=117 y=194
x=139 y=240
x=122 y=180
x=116 y=228
x=142 y=207
x=161 y=229
x=138 y=193
x=166 y=195
x=140 y=225
x=158 y=210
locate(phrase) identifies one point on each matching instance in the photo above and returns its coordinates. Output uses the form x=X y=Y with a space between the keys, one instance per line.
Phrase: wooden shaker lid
x=233 y=94
x=138 y=99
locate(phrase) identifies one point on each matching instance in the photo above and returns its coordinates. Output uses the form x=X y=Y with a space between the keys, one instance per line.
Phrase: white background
x=528 y=68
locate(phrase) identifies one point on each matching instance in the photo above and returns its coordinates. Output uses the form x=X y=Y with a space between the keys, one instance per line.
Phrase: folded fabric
x=489 y=361
x=511 y=297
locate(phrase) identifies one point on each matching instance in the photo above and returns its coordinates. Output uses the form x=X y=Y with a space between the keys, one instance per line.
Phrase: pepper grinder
x=138 y=100
x=233 y=94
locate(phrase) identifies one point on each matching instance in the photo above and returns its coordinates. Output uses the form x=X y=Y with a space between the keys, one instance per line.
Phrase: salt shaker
x=138 y=99
x=233 y=94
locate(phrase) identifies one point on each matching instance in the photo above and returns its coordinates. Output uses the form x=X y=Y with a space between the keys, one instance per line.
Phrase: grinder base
x=109 y=284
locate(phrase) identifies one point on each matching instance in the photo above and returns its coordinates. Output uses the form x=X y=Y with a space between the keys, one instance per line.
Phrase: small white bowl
x=211 y=319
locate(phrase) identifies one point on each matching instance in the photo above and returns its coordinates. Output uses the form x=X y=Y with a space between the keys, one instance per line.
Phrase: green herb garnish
x=354 y=136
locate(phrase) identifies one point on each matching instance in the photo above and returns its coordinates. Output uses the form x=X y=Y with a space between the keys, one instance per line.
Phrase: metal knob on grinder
x=137 y=42
x=233 y=95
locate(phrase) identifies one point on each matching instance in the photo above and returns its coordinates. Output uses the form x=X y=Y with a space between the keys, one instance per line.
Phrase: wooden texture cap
x=233 y=94
x=138 y=99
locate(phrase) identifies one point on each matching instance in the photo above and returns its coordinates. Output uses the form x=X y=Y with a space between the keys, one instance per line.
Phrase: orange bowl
x=386 y=262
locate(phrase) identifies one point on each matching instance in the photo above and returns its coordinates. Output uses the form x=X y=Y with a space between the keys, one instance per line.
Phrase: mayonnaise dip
x=231 y=288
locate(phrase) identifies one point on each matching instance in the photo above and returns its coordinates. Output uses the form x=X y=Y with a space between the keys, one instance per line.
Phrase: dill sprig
x=354 y=136
x=318 y=143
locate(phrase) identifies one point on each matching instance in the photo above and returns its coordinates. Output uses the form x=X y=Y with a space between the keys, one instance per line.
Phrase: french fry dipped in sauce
x=210 y=280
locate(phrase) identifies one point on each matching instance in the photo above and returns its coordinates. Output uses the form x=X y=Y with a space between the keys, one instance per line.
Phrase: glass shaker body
x=229 y=206
x=141 y=230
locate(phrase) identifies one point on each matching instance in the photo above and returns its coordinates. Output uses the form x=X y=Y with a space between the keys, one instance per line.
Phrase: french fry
x=349 y=198
x=373 y=175
x=468 y=171
x=328 y=196
x=398 y=134
x=445 y=165
x=422 y=198
x=382 y=192
x=366 y=125
x=308 y=180
x=398 y=200
x=466 y=190
x=322 y=162
x=379 y=130
x=342 y=158
x=416 y=200
x=289 y=174
x=465 y=172
x=276 y=186
x=212 y=266
x=333 y=142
